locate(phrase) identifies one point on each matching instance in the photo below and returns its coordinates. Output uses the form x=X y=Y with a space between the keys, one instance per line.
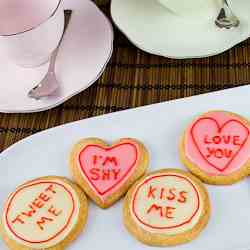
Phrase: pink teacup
x=30 y=30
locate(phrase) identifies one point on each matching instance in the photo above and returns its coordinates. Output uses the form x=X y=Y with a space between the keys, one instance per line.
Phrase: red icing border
x=164 y=175
x=220 y=128
x=34 y=184
x=108 y=149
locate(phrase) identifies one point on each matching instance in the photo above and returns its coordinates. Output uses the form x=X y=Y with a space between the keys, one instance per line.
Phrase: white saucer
x=154 y=29
x=84 y=52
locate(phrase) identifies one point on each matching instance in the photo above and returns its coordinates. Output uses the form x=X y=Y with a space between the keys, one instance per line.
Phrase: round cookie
x=45 y=213
x=216 y=147
x=166 y=208
x=106 y=172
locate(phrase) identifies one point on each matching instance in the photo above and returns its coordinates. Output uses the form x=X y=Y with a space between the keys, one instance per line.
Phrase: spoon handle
x=54 y=54
x=52 y=62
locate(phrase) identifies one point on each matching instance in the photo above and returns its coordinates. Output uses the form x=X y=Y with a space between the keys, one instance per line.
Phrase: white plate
x=154 y=29
x=84 y=52
x=159 y=127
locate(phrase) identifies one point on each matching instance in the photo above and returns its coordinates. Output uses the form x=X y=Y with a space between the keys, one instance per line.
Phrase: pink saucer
x=84 y=52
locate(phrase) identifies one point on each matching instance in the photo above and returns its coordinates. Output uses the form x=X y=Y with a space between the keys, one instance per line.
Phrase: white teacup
x=188 y=7
x=30 y=30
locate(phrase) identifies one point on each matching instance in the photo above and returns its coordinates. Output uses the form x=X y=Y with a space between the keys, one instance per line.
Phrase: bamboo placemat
x=134 y=78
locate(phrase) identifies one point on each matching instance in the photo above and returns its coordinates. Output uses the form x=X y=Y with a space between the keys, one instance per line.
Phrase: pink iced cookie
x=216 y=147
x=106 y=172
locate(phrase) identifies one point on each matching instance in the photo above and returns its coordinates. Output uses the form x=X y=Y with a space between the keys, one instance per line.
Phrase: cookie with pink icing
x=45 y=213
x=105 y=172
x=216 y=147
x=166 y=208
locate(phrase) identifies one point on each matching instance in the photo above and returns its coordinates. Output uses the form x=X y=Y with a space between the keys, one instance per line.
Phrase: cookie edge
x=75 y=232
x=162 y=240
x=230 y=179
x=77 y=175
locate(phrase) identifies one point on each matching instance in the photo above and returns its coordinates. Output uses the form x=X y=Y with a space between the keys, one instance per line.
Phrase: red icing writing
x=104 y=174
x=108 y=160
x=219 y=144
x=106 y=167
x=35 y=205
x=168 y=194
x=219 y=153
x=48 y=213
x=112 y=160
x=218 y=140
x=164 y=202
x=151 y=192
x=166 y=212
x=162 y=193
x=30 y=212
x=225 y=139
x=42 y=221
x=52 y=213
x=44 y=197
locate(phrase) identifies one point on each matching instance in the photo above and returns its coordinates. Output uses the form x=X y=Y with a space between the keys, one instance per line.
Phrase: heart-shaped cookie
x=216 y=147
x=106 y=172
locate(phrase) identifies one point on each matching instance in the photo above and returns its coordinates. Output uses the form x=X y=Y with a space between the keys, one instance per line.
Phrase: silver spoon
x=226 y=18
x=49 y=83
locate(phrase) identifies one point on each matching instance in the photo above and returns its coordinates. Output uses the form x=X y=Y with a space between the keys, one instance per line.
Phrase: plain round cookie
x=235 y=163
x=91 y=158
x=80 y=208
x=166 y=231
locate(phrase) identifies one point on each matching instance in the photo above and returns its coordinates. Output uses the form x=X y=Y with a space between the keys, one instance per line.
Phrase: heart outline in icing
x=124 y=177
x=219 y=130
